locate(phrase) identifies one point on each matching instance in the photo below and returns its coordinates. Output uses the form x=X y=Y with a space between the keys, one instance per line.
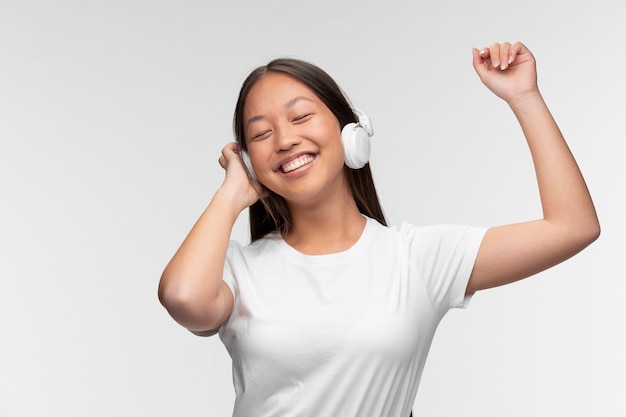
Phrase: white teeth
x=297 y=163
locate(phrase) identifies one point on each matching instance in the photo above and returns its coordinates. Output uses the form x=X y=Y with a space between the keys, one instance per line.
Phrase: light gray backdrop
x=112 y=117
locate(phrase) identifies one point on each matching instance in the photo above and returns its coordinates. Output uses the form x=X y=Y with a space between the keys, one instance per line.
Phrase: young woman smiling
x=329 y=311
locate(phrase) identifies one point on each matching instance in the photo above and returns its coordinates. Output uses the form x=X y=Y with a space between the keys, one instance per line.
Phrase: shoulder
x=256 y=258
x=440 y=241
x=269 y=242
x=432 y=234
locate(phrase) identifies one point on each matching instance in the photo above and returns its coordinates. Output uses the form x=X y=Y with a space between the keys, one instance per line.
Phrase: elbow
x=168 y=297
x=177 y=302
x=594 y=232
x=589 y=232
x=172 y=295
x=575 y=235
x=593 y=228
x=189 y=306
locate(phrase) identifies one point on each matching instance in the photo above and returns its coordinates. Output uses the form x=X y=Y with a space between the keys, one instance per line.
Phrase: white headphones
x=248 y=164
x=355 y=138
x=356 y=141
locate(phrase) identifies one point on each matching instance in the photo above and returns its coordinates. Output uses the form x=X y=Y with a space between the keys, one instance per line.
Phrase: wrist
x=230 y=200
x=530 y=97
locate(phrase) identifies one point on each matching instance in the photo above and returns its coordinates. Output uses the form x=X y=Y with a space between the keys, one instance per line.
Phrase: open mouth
x=299 y=162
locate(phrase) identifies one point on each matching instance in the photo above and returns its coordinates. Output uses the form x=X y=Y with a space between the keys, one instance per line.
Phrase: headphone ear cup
x=247 y=164
x=356 y=145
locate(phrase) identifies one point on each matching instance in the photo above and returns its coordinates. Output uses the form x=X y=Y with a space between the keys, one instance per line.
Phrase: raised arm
x=191 y=287
x=569 y=224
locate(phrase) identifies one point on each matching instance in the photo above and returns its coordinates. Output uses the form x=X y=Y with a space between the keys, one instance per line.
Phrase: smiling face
x=293 y=139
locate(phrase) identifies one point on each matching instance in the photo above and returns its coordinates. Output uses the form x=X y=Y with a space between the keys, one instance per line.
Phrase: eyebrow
x=294 y=100
x=287 y=105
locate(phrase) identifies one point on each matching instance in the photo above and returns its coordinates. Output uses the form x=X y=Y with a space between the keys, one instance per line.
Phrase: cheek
x=335 y=141
x=335 y=152
x=260 y=154
x=331 y=133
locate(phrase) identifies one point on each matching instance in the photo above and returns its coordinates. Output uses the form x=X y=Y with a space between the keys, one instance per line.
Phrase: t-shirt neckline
x=329 y=257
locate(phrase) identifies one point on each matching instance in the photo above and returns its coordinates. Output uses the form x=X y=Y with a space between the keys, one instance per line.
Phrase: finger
x=494 y=53
x=485 y=55
x=479 y=61
x=517 y=49
x=505 y=55
x=482 y=57
x=231 y=149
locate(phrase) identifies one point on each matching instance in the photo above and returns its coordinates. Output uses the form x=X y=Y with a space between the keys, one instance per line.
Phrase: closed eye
x=302 y=118
x=261 y=135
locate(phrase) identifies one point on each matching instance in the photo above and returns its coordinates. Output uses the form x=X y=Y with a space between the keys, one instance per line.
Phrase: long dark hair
x=271 y=213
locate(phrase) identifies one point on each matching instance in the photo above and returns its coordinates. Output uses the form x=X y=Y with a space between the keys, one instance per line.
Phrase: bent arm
x=569 y=224
x=191 y=286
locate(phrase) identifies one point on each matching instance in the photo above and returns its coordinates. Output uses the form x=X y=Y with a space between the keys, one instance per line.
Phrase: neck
x=332 y=226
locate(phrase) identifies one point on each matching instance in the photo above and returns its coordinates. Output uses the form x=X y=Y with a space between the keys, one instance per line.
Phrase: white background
x=112 y=116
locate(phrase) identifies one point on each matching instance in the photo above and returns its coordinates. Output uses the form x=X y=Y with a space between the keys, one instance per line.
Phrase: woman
x=329 y=312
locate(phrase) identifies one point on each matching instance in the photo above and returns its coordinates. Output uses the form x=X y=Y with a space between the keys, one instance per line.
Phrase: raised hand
x=237 y=179
x=508 y=70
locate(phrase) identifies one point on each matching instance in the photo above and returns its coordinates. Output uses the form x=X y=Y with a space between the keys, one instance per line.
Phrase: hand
x=509 y=71
x=237 y=178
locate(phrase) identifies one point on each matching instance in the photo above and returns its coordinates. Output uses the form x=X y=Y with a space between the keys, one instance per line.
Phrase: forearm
x=191 y=285
x=565 y=199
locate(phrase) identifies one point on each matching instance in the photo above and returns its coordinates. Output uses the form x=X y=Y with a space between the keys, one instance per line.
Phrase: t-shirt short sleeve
x=234 y=254
x=444 y=257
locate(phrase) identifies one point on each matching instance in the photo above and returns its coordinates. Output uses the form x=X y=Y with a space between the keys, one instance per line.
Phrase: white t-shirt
x=344 y=334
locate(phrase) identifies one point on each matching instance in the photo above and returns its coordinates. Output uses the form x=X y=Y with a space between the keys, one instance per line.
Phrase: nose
x=286 y=138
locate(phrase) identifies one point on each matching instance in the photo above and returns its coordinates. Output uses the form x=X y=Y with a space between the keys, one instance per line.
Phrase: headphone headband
x=365 y=122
